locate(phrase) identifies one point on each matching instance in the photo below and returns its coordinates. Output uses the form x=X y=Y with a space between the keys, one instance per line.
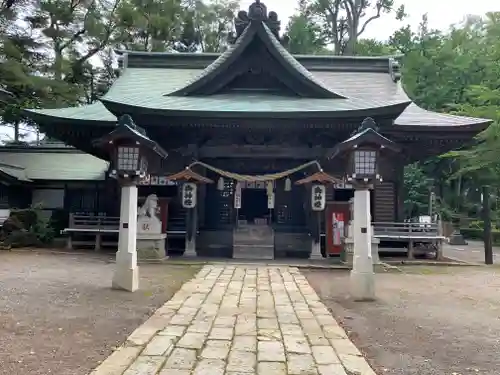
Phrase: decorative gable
x=257 y=62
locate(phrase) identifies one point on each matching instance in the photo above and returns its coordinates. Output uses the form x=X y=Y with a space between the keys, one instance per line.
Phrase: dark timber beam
x=259 y=152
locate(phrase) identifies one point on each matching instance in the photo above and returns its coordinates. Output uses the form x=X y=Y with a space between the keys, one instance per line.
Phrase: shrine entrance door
x=254 y=202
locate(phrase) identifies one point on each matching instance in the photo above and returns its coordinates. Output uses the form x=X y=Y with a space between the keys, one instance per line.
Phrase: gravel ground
x=58 y=314
x=427 y=321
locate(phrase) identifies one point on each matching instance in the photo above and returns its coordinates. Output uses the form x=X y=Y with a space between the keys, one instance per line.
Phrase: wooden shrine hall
x=256 y=110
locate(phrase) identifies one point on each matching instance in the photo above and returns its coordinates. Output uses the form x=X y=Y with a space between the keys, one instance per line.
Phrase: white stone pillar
x=316 y=245
x=190 y=249
x=362 y=278
x=126 y=275
x=315 y=250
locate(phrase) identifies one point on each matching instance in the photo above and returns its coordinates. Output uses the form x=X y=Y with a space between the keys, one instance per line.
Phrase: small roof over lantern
x=363 y=149
x=132 y=152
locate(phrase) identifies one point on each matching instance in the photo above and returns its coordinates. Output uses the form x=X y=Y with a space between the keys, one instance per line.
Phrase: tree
x=21 y=60
x=149 y=25
x=208 y=26
x=75 y=31
x=457 y=72
x=372 y=47
x=304 y=36
x=416 y=191
x=344 y=21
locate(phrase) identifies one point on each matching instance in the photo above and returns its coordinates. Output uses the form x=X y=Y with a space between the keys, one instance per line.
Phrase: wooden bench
x=93 y=226
x=97 y=227
x=427 y=235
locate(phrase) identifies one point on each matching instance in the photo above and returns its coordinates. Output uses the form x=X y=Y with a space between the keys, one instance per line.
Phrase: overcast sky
x=441 y=13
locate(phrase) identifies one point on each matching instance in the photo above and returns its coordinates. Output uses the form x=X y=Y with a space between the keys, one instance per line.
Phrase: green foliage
x=27 y=227
x=476 y=224
x=343 y=21
x=456 y=72
x=213 y=23
x=148 y=25
x=416 y=191
x=304 y=36
x=478 y=234
x=59 y=220
x=372 y=47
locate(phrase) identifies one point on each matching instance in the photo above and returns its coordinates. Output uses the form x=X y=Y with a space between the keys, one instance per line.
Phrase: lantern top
x=318 y=177
x=366 y=134
x=188 y=175
x=127 y=129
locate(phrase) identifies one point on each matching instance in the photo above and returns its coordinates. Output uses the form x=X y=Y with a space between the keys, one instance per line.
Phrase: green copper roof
x=139 y=85
x=16 y=172
x=35 y=163
x=144 y=88
x=95 y=112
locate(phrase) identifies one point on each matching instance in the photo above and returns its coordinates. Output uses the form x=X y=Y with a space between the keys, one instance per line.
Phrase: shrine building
x=254 y=120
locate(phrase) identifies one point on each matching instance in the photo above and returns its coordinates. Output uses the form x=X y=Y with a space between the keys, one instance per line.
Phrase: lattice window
x=364 y=162
x=128 y=158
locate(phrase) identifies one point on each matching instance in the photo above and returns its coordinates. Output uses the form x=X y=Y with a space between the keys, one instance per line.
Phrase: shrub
x=59 y=220
x=26 y=227
x=477 y=234
x=26 y=216
x=22 y=239
x=476 y=224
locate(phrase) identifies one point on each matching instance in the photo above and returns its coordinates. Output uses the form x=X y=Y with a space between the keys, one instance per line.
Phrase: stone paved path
x=239 y=320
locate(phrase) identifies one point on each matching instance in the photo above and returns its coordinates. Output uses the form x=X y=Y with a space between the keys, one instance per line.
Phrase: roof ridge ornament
x=126 y=120
x=257 y=12
x=367 y=123
x=395 y=69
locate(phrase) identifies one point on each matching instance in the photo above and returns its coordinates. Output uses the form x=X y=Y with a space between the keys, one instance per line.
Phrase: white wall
x=49 y=198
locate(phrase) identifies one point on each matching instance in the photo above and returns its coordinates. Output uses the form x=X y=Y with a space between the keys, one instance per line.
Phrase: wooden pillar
x=488 y=243
x=202 y=193
x=411 y=254
x=439 y=244
x=399 y=191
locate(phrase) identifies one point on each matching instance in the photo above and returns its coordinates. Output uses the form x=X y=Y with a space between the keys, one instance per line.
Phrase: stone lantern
x=132 y=156
x=363 y=150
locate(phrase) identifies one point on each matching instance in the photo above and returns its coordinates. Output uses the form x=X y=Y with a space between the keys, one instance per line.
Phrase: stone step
x=253 y=252
x=246 y=241
x=255 y=231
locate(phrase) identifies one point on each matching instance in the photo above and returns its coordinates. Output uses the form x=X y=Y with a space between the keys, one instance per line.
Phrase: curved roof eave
x=91 y=114
x=416 y=118
x=389 y=109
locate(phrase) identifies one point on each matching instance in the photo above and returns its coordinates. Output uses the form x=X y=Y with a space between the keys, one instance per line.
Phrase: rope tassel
x=220 y=184
x=288 y=184
x=269 y=188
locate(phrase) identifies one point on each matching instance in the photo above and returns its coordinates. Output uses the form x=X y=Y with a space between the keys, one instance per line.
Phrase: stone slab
x=240 y=320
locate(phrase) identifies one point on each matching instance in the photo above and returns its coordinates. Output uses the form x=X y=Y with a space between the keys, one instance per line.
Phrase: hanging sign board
x=189 y=195
x=318 y=197
x=270 y=201
x=237 y=197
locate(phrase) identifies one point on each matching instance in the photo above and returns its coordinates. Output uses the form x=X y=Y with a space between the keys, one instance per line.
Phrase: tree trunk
x=17 y=136
x=58 y=64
